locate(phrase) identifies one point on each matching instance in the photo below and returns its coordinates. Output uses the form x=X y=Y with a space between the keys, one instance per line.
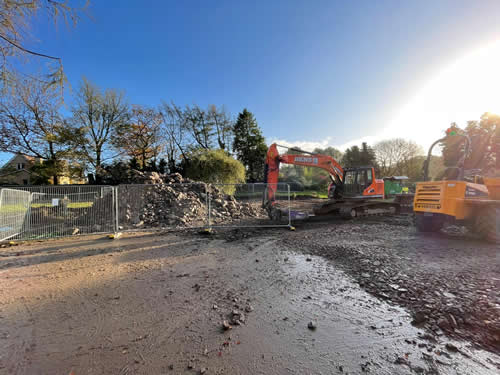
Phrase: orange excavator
x=353 y=192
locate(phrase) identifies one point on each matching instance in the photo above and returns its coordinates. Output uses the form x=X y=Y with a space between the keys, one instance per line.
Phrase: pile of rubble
x=174 y=200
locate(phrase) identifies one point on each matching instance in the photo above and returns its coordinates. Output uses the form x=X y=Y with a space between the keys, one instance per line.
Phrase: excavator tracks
x=358 y=208
x=344 y=209
x=369 y=209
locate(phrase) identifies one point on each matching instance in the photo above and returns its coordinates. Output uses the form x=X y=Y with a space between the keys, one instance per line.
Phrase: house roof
x=27 y=157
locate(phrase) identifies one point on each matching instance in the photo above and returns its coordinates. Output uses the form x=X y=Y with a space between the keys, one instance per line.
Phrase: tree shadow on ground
x=20 y=258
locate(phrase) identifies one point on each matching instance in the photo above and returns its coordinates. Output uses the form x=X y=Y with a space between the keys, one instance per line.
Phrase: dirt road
x=155 y=304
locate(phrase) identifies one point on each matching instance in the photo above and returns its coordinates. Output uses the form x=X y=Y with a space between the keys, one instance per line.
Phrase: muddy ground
x=450 y=281
x=375 y=292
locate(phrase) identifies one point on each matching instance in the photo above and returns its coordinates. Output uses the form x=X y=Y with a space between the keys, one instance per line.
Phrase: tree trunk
x=143 y=160
x=53 y=161
x=98 y=178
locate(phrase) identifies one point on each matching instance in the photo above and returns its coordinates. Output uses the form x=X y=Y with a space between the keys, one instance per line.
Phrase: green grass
x=12 y=209
x=282 y=194
x=309 y=193
x=70 y=205
x=17 y=208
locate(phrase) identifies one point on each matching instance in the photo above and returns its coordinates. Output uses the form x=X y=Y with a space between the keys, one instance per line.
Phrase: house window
x=20 y=166
x=25 y=182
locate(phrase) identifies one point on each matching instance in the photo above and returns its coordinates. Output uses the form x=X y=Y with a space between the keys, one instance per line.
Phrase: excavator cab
x=360 y=183
x=356 y=180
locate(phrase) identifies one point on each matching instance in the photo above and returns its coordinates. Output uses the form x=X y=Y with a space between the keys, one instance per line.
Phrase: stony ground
x=449 y=283
x=326 y=299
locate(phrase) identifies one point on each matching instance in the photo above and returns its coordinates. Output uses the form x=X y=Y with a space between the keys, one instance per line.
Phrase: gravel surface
x=449 y=283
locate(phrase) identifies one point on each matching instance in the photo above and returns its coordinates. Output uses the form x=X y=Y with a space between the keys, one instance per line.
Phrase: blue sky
x=318 y=71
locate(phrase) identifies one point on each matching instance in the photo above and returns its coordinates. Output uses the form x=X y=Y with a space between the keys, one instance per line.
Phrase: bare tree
x=98 y=120
x=199 y=126
x=175 y=134
x=142 y=140
x=398 y=157
x=30 y=124
x=190 y=128
x=223 y=125
x=15 y=18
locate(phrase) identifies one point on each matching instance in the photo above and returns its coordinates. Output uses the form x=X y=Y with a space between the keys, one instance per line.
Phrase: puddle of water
x=357 y=329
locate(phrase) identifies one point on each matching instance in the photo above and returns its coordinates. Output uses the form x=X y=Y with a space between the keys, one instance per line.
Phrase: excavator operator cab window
x=362 y=178
x=350 y=178
x=356 y=181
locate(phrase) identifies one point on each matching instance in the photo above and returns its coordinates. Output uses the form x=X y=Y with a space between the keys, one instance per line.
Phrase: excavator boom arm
x=325 y=162
x=273 y=160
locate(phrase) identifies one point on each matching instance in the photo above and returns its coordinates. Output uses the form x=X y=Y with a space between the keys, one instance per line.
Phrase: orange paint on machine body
x=358 y=182
x=460 y=198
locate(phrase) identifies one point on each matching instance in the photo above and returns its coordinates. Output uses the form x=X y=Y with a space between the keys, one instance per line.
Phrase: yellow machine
x=473 y=204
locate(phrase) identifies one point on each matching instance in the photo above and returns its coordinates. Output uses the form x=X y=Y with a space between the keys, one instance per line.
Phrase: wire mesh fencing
x=248 y=205
x=161 y=206
x=57 y=211
x=14 y=209
x=197 y=205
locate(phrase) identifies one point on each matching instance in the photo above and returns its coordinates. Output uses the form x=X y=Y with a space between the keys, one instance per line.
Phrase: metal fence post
x=115 y=194
x=3 y=221
x=28 y=215
x=289 y=211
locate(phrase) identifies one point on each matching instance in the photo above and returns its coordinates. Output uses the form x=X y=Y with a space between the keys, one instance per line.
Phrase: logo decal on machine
x=429 y=205
x=304 y=159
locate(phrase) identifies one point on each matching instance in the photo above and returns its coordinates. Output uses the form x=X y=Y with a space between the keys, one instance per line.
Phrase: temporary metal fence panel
x=161 y=206
x=14 y=210
x=55 y=214
x=243 y=205
x=57 y=211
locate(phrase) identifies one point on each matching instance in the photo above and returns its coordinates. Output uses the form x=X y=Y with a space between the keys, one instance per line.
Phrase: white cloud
x=303 y=145
x=327 y=142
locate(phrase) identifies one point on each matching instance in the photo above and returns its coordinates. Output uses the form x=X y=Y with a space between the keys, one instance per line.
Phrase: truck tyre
x=488 y=224
x=428 y=223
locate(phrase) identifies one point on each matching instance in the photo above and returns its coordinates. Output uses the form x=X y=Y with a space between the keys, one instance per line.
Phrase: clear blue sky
x=306 y=69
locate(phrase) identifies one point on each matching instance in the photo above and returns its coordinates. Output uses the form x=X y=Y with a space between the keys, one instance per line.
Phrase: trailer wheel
x=428 y=223
x=487 y=224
